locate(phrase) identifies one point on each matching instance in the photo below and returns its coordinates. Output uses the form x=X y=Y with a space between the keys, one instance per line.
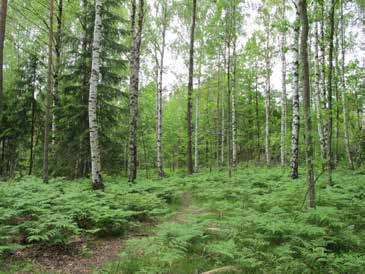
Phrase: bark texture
x=234 y=126
x=306 y=102
x=317 y=95
x=294 y=160
x=56 y=77
x=97 y=182
x=136 y=39
x=267 y=97
x=329 y=95
x=283 y=93
x=49 y=92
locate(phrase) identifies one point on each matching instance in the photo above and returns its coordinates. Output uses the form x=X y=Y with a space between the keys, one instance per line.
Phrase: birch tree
x=190 y=90
x=136 y=40
x=329 y=95
x=302 y=5
x=343 y=93
x=234 y=85
x=317 y=94
x=283 y=87
x=294 y=161
x=159 y=87
x=97 y=182
x=267 y=92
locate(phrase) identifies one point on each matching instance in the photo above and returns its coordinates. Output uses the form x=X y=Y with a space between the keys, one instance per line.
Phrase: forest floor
x=89 y=255
x=254 y=222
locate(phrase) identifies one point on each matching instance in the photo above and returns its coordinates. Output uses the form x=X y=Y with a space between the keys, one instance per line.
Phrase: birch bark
x=97 y=182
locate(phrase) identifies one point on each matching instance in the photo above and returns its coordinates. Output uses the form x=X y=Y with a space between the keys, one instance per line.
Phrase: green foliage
x=57 y=213
x=257 y=223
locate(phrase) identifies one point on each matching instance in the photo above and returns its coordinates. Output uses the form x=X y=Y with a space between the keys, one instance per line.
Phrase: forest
x=182 y=136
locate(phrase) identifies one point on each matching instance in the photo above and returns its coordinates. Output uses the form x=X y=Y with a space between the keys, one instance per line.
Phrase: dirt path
x=96 y=253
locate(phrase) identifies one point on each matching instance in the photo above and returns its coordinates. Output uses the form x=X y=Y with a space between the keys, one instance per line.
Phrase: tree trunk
x=323 y=80
x=136 y=39
x=57 y=67
x=229 y=107
x=283 y=94
x=97 y=182
x=317 y=95
x=196 y=137
x=223 y=110
x=306 y=102
x=343 y=93
x=329 y=95
x=257 y=113
x=267 y=98
x=217 y=116
x=294 y=161
x=160 y=170
x=234 y=127
x=190 y=90
x=3 y=13
x=32 y=128
x=49 y=92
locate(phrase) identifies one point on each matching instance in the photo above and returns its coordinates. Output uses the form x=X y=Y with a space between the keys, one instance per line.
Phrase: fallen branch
x=229 y=268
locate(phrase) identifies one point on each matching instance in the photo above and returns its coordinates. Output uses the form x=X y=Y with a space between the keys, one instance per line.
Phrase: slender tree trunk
x=337 y=105
x=217 y=117
x=160 y=170
x=283 y=94
x=190 y=90
x=234 y=127
x=294 y=161
x=223 y=110
x=32 y=128
x=267 y=98
x=323 y=80
x=306 y=103
x=136 y=37
x=329 y=95
x=196 y=137
x=57 y=67
x=49 y=92
x=97 y=182
x=343 y=93
x=3 y=14
x=257 y=113
x=229 y=89
x=317 y=95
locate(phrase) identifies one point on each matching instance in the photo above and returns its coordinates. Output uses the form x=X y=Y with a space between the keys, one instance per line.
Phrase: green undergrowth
x=58 y=213
x=257 y=222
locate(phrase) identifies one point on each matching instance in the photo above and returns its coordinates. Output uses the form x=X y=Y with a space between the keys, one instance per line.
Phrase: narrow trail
x=98 y=252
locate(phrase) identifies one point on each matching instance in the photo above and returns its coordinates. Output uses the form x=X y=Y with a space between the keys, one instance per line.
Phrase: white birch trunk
x=323 y=81
x=283 y=94
x=196 y=137
x=267 y=98
x=222 y=129
x=317 y=94
x=94 y=79
x=136 y=37
x=294 y=161
x=234 y=128
x=160 y=68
